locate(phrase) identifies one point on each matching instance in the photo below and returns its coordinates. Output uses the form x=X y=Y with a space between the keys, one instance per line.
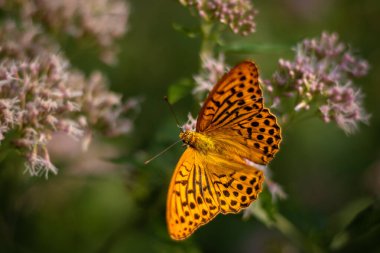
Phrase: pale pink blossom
x=321 y=75
x=212 y=70
x=190 y=124
x=102 y=22
x=44 y=96
x=239 y=15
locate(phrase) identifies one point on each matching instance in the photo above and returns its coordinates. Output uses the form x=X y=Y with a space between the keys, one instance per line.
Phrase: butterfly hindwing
x=201 y=188
x=236 y=188
x=262 y=135
x=256 y=139
x=237 y=96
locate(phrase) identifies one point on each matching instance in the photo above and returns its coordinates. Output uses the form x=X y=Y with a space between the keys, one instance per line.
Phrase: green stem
x=295 y=118
x=6 y=146
x=208 y=43
x=289 y=230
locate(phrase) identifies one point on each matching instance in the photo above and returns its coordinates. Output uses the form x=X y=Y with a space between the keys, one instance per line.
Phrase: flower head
x=344 y=107
x=321 y=75
x=24 y=40
x=239 y=15
x=40 y=93
x=190 y=124
x=212 y=70
x=101 y=21
x=44 y=96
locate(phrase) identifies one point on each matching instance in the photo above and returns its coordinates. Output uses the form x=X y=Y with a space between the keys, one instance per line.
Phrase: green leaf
x=264 y=209
x=268 y=204
x=179 y=89
x=253 y=48
x=362 y=233
x=189 y=32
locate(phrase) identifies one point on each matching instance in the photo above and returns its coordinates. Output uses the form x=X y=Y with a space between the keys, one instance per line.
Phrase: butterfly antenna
x=171 y=109
x=163 y=151
x=166 y=149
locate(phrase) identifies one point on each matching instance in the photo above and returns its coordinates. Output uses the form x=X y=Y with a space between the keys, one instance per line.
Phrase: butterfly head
x=187 y=137
x=197 y=140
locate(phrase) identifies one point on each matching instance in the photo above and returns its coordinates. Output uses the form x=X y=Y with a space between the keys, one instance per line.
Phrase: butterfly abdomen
x=198 y=141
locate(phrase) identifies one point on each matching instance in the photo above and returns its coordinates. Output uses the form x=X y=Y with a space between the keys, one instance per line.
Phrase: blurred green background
x=329 y=177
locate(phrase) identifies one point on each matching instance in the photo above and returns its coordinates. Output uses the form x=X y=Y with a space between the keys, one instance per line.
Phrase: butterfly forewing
x=237 y=96
x=192 y=199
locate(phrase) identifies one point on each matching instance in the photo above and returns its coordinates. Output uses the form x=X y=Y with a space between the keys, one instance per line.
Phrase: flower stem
x=208 y=40
x=289 y=230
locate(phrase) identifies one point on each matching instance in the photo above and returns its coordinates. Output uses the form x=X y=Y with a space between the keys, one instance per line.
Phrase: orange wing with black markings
x=236 y=97
x=213 y=175
x=201 y=188
x=234 y=111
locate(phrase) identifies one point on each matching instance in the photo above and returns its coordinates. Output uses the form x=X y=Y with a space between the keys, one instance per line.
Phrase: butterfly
x=215 y=173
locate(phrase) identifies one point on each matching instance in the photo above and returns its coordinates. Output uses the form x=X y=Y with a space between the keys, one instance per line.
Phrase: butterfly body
x=198 y=141
x=217 y=172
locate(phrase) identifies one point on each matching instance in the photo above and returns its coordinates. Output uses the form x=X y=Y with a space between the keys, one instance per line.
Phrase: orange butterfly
x=213 y=175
